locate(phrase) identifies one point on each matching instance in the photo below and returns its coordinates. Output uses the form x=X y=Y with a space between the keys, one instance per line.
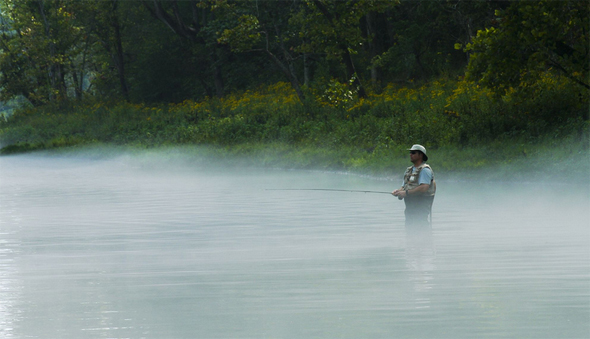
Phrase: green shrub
x=333 y=127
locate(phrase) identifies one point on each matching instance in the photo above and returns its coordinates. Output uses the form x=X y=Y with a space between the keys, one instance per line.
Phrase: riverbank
x=467 y=129
x=548 y=161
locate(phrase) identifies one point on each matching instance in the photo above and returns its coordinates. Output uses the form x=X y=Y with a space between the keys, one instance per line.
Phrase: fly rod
x=325 y=189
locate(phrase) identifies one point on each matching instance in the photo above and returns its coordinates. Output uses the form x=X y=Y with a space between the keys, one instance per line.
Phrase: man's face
x=415 y=156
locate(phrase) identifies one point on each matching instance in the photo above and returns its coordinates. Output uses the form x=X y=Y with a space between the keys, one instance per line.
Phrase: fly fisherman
x=418 y=188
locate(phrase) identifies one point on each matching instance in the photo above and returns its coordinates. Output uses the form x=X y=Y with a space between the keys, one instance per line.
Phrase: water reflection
x=9 y=283
x=9 y=289
x=420 y=260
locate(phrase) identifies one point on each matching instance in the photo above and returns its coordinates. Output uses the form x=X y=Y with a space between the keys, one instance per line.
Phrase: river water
x=141 y=247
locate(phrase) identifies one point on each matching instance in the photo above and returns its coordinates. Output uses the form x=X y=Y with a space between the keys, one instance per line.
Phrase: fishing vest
x=411 y=179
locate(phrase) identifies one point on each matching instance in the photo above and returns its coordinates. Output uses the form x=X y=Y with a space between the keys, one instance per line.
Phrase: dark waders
x=418 y=209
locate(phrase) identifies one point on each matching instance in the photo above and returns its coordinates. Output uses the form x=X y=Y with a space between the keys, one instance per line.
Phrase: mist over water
x=154 y=247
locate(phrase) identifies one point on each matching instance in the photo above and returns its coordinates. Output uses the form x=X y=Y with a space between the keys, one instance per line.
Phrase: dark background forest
x=170 y=51
x=367 y=74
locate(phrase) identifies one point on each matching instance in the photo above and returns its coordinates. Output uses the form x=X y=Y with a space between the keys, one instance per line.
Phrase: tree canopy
x=529 y=38
x=170 y=51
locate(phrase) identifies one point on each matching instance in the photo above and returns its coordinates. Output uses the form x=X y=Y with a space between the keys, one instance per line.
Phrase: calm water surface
x=133 y=248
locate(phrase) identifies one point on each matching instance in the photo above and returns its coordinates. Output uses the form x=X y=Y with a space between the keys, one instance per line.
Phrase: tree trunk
x=306 y=70
x=352 y=72
x=77 y=85
x=347 y=57
x=218 y=80
x=292 y=78
x=119 y=56
x=51 y=69
x=190 y=31
x=217 y=74
x=373 y=49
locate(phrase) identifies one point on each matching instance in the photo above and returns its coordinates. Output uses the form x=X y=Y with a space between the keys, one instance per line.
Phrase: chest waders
x=418 y=207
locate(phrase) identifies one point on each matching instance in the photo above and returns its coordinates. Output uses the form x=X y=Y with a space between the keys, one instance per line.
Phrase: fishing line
x=325 y=189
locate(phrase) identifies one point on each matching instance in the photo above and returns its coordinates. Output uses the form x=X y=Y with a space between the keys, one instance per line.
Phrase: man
x=418 y=188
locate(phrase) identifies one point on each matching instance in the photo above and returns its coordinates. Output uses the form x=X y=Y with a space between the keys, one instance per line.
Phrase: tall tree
x=421 y=36
x=190 y=20
x=110 y=35
x=265 y=27
x=334 y=29
x=533 y=37
x=38 y=49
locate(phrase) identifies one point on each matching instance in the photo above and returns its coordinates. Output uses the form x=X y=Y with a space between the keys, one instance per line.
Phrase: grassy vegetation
x=467 y=129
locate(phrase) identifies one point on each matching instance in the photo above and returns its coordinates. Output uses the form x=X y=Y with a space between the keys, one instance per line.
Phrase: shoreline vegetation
x=466 y=128
x=497 y=89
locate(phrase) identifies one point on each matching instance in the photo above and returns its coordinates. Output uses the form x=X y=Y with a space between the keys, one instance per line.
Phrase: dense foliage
x=360 y=133
x=531 y=38
x=170 y=51
x=361 y=79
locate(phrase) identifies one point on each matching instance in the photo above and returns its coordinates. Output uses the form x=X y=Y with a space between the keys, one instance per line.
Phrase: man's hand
x=399 y=193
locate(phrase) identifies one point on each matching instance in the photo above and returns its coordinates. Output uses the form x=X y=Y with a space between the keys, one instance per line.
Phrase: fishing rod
x=325 y=189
